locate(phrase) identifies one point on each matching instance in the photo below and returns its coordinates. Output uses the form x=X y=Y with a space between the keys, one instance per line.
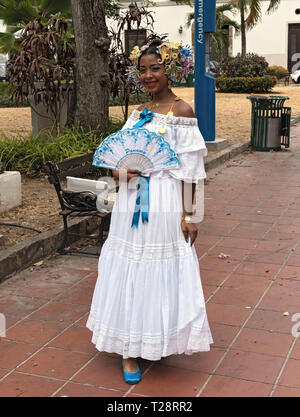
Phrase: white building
x=276 y=37
x=169 y=19
x=3 y=57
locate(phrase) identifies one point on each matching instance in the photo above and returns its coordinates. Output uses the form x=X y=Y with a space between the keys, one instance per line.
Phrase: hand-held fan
x=135 y=148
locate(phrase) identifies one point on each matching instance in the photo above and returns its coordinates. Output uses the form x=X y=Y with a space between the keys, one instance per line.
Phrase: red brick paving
x=252 y=215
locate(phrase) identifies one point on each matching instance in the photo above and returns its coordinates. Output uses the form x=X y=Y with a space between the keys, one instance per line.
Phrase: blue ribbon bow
x=145 y=117
x=142 y=195
x=142 y=202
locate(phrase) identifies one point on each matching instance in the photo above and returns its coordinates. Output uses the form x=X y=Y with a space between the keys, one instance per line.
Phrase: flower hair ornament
x=177 y=59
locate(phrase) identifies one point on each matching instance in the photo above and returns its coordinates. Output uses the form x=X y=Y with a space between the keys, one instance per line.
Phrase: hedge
x=251 y=65
x=278 y=71
x=246 y=85
x=5 y=97
x=28 y=155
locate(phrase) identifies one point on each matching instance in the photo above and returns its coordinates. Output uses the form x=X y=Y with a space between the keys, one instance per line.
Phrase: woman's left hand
x=189 y=230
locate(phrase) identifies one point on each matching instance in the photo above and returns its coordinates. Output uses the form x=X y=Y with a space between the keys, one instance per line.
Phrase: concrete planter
x=10 y=190
x=44 y=121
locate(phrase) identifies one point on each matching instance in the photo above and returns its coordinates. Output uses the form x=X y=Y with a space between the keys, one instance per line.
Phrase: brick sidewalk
x=253 y=215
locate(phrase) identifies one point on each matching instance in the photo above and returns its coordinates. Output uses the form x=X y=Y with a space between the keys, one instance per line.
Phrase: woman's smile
x=150 y=84
x=152 y=74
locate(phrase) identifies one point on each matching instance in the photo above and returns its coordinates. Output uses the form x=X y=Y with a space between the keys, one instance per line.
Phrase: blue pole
x=205 y=23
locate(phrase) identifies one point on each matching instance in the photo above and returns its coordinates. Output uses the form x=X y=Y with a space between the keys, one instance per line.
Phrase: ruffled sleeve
x=191 y=150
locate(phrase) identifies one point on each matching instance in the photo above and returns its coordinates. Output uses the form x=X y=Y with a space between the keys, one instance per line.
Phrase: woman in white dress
x=148 y=300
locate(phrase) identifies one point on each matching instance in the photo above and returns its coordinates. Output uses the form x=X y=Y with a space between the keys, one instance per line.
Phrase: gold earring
x=169 y=84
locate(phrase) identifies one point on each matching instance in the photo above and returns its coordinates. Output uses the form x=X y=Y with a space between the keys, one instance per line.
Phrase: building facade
x=276 y=36
x=3 y=57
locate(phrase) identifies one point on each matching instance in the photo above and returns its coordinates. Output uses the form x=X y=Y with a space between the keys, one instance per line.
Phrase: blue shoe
x=132 y=377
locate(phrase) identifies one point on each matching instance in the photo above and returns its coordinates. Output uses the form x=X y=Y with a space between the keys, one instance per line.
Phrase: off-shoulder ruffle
x=171 y=120
x=185 y=138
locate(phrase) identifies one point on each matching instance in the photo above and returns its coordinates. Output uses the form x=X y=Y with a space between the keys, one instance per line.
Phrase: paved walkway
x=253 y=215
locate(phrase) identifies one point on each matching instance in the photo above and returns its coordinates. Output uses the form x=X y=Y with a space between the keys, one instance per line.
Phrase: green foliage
x=252 y=65
x=5 y=95
x=5 y=89
x=220 y=38
x=5 y=101
x=16 y=14
x=184 y=2
x=262 y=84
x=134 y=98
x=28 y=155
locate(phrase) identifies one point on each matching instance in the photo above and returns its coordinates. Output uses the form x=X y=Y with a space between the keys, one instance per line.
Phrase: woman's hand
x=126 y=174
x=189 y=230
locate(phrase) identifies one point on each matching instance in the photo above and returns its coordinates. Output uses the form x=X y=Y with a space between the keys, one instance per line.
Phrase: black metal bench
x=284 y=77
x=77 y=204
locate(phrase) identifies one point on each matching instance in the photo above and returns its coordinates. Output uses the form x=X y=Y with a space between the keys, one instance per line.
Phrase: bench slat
x=75 y=161
x=77 y=171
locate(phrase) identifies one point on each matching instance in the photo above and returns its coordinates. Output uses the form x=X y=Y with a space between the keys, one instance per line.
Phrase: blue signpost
x=205 y=23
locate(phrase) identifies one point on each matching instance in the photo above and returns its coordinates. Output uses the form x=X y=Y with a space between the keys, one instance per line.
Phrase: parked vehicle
x=296 y=77
x=2 y=72
x=213 y=68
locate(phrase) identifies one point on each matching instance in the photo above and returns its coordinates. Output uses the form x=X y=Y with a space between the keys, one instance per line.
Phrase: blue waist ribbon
x=142 y=195
x=142 y=202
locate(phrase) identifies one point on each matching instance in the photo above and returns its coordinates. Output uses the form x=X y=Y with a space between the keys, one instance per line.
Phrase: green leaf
x=7 y=42
x=55 y=6
x=13 y=12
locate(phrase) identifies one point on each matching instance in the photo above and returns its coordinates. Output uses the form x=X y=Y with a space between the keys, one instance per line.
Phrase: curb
x=26 y=253
x=295 y=120
x=219 y=158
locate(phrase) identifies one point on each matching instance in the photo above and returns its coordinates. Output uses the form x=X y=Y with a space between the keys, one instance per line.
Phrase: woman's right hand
x=126 y=173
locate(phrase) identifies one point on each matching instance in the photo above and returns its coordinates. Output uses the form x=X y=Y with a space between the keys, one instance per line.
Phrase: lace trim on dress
x=148 y=251
x=188 y=340
x=171 y=120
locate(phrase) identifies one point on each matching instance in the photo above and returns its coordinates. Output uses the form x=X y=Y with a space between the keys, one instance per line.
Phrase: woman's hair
x=151 y=50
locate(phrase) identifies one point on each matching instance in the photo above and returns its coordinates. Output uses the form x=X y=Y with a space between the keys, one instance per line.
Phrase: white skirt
x=148 y=300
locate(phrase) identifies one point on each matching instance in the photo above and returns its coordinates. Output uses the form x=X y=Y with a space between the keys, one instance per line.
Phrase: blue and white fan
x=135 y=148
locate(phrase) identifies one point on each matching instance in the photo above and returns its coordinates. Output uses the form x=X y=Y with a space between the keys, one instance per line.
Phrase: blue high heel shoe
x=132 y=377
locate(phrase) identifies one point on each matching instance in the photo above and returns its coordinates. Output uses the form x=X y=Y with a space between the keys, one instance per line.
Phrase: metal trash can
x=270 y=123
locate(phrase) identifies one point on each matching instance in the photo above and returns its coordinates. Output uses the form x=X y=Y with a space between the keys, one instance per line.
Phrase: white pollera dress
x=148 y=300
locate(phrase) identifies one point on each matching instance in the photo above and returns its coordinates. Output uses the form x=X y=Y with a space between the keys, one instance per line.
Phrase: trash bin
x=270 y=123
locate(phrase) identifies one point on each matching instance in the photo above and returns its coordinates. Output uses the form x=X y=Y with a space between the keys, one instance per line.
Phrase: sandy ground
x=233 y=113
x=40 y=207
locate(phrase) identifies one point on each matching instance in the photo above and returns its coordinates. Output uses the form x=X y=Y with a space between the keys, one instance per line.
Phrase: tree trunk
x=92 y=77
x=243 y=32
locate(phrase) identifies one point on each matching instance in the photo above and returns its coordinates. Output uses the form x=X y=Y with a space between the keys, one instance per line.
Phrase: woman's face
x=152 y=75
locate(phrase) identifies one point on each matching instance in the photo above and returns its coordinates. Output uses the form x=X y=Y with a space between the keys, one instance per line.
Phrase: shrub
x=251 y=65
x=277 y=71
x=134 y=98
x=28 y=155
x=5 y=89
x=5 y=96
x=246 y=84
